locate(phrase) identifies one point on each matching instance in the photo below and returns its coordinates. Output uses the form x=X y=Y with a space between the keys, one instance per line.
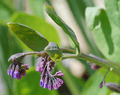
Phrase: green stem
x=92 y=59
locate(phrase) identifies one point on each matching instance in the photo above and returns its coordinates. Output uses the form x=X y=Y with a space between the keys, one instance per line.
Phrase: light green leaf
x=106 y=35
x=40 y=25
x=92 y=16
x=30 y=37
x=51 y=12
x=29 y=85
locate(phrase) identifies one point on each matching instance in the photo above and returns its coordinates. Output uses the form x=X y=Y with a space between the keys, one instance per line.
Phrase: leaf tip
x=9 y=24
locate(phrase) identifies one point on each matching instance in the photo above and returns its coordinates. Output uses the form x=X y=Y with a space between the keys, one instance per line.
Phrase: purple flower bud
x=59 y=73
x=93 y=67
x=8 y=71
x=113 y=86
x=12 y=73
x=20 y=76
x=16 y=69
x=47 y=79
x=41 y=83
x=26 y=66
x=45 y=85
x=102 y=83
x=23 y=72
x=42 y=59
x=38 y=69
x=16 y=74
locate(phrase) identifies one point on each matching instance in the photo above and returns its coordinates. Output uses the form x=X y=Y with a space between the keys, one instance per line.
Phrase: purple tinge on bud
x=16 y=74
x=102 y=83
x=45 y=85
x=41 y=83
x=92 y=67
x=12 y=73
x=8 y=71
x=26 y=66
x=17 y=70
x=47 y=79
x=41 y=65
x=59 y=73
x=113 y=86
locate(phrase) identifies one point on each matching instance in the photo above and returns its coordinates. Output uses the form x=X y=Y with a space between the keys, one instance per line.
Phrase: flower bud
x=113 y=86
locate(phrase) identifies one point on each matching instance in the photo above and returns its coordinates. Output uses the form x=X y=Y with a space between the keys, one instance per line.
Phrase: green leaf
x=53 y=51
x=106 y=35
x=51 y=12
x=29 y=85
x=92 y=16
x=30 y=37
x=40 y=25
x=37 y=7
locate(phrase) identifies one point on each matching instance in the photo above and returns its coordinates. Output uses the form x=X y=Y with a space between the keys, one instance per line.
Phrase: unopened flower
x=47 y=79
x=102 y=83
x=113 y=86
x=17 y=69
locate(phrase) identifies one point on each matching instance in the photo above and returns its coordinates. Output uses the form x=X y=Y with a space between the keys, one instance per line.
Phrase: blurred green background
x=78 y=77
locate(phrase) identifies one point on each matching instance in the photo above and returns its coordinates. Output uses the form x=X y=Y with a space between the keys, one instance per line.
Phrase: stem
x=92 y=59
x=106 y=74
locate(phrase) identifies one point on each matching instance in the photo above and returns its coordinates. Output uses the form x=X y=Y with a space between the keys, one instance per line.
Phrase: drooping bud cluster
x=17 y=70
x=47 y=79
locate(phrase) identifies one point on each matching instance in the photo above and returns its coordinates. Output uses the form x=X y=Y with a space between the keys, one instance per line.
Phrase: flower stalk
x=92 y=59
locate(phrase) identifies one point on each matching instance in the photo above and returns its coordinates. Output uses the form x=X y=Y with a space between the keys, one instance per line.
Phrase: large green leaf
x=51 y=12
x=105 y=32
x=30 y=37
x=29 y=85
x=40 y=25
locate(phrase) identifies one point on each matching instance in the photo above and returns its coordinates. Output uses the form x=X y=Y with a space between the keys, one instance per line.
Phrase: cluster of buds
x=47 y=79
x=17 y=69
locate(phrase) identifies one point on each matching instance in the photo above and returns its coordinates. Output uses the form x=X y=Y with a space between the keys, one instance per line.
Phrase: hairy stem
x=92 y=59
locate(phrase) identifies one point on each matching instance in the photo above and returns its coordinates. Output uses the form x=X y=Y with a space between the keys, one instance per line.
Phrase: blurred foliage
x=103 y=23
